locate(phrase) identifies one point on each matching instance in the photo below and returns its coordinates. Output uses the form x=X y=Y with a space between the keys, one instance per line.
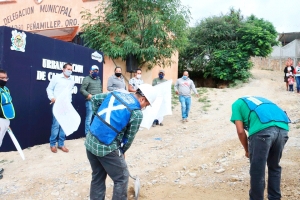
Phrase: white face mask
x=68 y=73
x=138 y=76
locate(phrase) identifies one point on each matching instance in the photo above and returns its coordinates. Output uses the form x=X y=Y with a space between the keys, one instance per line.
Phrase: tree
x=150 y=30
x=221 y=46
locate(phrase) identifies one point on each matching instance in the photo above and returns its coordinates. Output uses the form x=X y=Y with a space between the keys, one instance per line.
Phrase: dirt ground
x=201 y=159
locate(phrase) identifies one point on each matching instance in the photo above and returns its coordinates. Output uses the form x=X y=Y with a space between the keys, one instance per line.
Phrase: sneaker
x=1 y=170
x=1 y=176
x=153 y=125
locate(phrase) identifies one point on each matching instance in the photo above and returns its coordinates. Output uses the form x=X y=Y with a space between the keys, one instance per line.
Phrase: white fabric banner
x=162 y=105
x=65 y=114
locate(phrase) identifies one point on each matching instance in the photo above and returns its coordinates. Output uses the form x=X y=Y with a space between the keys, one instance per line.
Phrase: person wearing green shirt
x=267 y=126
x=111 y=134
x=91 y=85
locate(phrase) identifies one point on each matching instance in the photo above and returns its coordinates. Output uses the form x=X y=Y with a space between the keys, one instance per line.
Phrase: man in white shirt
x=135 y=81
x=59 y=84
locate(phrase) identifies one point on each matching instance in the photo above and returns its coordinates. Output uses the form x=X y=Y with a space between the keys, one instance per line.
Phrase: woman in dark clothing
x=287 y=71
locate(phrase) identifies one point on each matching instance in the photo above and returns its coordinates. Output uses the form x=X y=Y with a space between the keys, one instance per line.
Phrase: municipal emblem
x=97 y=56
x=18 y=41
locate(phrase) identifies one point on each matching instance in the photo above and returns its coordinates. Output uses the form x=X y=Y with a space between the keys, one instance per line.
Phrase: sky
x=283 y=14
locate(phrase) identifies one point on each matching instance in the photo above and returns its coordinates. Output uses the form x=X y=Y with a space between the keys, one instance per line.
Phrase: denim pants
x=298 y=83
x=185 y=106
x=88 y=117
x=56 y=130
x=265 y=147
x=113 y=165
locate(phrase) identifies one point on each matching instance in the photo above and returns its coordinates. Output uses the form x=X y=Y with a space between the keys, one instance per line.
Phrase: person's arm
x=132 y=128
x=285 y=70
x=194 y=88
x=242 y=135
x=176 y=87
x=97 y=100
x=110 y=84
x=131 y=89
x=50 y=90
x=83 y=88
x=154 y=82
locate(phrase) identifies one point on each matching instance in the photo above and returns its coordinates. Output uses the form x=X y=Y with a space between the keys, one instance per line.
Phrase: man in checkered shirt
x=111 y=134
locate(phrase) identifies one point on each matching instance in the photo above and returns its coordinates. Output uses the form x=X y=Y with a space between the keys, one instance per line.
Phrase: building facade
x=61 y=19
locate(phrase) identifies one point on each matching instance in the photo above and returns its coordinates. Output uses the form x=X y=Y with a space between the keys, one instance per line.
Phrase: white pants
x=4 y=124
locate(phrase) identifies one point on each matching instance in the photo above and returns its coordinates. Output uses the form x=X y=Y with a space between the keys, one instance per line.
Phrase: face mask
x=94 y=74
x=138 y=76
x=184 y=77
x=2 y=83
x=68 y=73
x=161 y=76
x=118 y=74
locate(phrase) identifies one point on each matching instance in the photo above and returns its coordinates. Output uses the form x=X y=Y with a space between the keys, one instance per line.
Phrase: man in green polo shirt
x=267 y=127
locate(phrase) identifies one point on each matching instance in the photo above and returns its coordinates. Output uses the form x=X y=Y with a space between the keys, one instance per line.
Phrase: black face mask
x=118 y=74
x=2 y=83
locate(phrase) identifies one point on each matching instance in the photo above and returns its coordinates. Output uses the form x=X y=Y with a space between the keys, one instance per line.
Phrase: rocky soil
x=201 y=159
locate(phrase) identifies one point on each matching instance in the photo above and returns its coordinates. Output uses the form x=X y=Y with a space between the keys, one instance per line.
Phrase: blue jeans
x=298 y=83
x=56 y=130
x=185 y=106
x=113 y=165
x=265 y=147
x=88 y=116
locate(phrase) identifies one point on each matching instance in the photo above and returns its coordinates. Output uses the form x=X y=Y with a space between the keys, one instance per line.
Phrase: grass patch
x=202 y=90
x=203 y=98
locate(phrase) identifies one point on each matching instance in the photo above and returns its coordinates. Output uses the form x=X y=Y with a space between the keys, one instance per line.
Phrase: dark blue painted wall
x=33 y=120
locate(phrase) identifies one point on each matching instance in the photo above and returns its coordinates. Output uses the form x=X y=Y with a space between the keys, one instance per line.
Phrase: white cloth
x=4 y=124
x=162 y=105
x=65 y=113
x=58 y=84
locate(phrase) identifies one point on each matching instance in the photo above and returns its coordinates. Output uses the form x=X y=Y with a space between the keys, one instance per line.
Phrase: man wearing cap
x=183 y=87
x=134 y=82
x=160 y=78
x=267 y=127
x=111 y=134
x=91 y=85
x=156 y=81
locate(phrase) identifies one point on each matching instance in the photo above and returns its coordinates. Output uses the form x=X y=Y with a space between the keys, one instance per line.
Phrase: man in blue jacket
x=112 y=132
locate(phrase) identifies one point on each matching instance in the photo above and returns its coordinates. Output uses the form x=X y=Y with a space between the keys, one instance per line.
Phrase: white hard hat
x=149 y=92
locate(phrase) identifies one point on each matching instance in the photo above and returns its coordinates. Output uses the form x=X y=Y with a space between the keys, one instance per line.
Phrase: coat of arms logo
x=18 y=41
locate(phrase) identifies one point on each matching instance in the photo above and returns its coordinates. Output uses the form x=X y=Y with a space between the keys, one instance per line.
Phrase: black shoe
x=1 y=170
x=1 y=176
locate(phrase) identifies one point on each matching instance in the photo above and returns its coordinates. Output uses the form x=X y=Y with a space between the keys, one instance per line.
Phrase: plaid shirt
x=93 y=145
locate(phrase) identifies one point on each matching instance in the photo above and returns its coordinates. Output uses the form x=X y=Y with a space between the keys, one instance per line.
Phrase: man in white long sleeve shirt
x=59 y=84
x=183 y=87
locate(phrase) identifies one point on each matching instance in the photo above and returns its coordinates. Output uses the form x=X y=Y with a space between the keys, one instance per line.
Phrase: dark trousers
x=115 y=167
x=291 y=87
x=265 y=147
